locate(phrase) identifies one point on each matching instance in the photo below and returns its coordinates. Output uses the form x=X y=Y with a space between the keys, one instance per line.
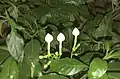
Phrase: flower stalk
x=48 y=39
x=32 y=69
x=49 y=49
x=75 y=33
x=60 y=48
x=75 y=42
x=60 y=38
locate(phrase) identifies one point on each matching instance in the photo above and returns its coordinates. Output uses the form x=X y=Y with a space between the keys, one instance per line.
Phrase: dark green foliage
x=23 y=50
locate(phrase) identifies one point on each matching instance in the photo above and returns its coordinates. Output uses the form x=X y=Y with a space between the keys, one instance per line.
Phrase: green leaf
x=83 y=11
x=115 y=55
x=28 y=18
x=32 y=51
x=114 y=65
x=3 y=55
x=10 y=69
x=114 y=69
x=37 y=71
x=13 y=11
x=75 y=2
x=98 y=68
x=24 y=70
x=105 y=27
x=40 y=11
x=91 y=25
x=63 y=13
x=41 y=35
x=68 y=43
x=15 y=45
x=53 y=76
x=87 y=57
x=105 y=76
x=67 y=66
x=114 y=75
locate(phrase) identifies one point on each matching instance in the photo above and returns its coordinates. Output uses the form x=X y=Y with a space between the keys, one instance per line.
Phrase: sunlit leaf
x=15 y=45
x=98 y=68
x=10 y=69
x=67 y=66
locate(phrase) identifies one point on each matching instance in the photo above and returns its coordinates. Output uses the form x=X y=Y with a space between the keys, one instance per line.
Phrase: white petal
x=48 y=37
x=60 y=37
x=75 y=32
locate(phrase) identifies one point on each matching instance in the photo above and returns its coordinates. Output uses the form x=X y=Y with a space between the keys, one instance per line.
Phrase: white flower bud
x=48 y=38
x=75 y=32
x=60 y=37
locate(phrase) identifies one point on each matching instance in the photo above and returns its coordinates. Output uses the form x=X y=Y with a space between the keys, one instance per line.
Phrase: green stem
x=49 y=49
x=32 y=69
x=60 y=49
x=106 y=55
x=74 y=46
x=75 y=42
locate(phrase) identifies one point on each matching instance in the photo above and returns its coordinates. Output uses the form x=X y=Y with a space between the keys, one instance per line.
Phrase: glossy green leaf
x=66 y=66
x=32 y=51
x=15 y=45
x=53 y=76
x=115 y=55
x=98 y=68
x=105 y=27
x=9 y=69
